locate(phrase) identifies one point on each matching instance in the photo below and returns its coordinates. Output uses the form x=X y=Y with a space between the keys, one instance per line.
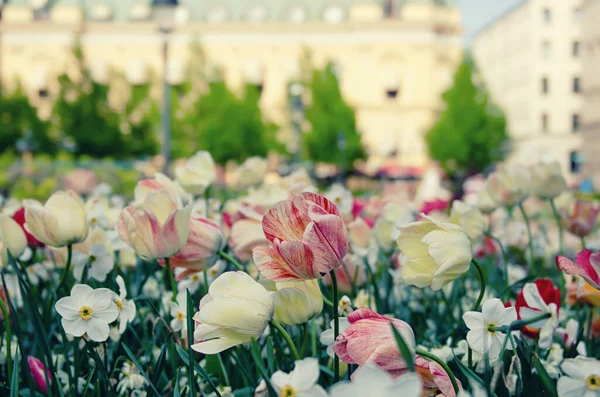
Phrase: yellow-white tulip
x=60 y=222
x=485 y=203
x=251 y=172
x=509 y=185
x=12 y=238
x=547 y=181
x=235 y=310
x=470 y=218
x=297 y=302
x=197 y=174
x=433 y=253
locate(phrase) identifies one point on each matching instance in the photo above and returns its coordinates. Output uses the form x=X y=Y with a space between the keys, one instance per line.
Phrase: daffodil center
x=213 y=272
x=288 y=391
x=94 y=220
x=86 y=312
x=92 y=259
x=195 y=278
x=338 y=200
x=179 y=316
x=593 y=382
x=491 y=328
x=119 y=304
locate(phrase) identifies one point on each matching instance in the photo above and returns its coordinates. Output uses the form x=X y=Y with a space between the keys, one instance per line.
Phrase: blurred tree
x=330 y=116
x=470 y=135
x=139 y=122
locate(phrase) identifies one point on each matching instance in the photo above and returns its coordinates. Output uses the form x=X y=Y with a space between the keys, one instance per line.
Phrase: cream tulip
x=12 y=238
x=509 y=185
x=470 y=218
x=547 y=180
x=235 y=310
x=58 y=223
x=251 y=172
x=197 y=174
x=433 y=253
x=297 y=302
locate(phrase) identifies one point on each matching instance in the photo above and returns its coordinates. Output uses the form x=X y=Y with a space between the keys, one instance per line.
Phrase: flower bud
x=297 y=302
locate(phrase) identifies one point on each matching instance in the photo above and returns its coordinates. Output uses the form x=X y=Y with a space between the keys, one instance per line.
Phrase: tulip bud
x=39 y=373
x=470 y=218
x=509 y=185
x=297 y=302
x=197 y=174
x=433 y=253
x=547 y=181
x=12 y=239
x=60 y=222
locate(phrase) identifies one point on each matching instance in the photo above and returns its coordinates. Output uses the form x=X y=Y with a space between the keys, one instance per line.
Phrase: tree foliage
x=329 y=116
x=470 y=134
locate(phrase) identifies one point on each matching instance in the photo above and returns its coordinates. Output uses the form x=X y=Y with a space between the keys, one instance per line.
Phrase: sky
x=478 y=13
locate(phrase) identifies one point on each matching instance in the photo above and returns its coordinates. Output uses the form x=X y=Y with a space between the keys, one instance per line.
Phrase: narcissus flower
x=197 y=174
x=88 y=311
x=159 y=229
x=126 y=307
x=19 y=217
x=547 y=180
x=307 y=236
x=58 y=223
x=369 y=340
x=537 y=298
x=433 y=253
x=371 y=380
x=587 y=265
x=12 y=239
x=235 y=310
x=97 y=263
x=482 y=337
x=581 y=378
x=301 y=382
x=296 y=302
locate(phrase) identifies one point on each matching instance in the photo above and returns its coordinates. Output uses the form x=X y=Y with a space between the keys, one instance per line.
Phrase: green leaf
x=176 y=392
x=14 y=382
x=255 y=351
x=543 y=374
x=405 y=352
x=89 y=379
x=270 y=357
x=139 y=367
x=190 y=338
x=184 y=356
x=160 y=362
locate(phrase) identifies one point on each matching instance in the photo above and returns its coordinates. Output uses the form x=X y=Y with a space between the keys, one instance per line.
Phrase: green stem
x=67 y=267
x=305 y=334
x=327 y=301
x=231 y=260
x=287 y=338
x=560 y=228
x=336 y=326
x=441 y=362
x=482 y=280
x=8 y=334
x=171 y=278
x=582 y=242
x=519 y=324
x=504 y=259
x=529 y=235
x=222 y=364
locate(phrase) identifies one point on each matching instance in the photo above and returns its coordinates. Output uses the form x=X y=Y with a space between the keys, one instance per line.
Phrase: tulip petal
x=273 y=266
x=583 y=268
x=41 y=223
x=320 y=200
x=328 y=240
x=285 y=221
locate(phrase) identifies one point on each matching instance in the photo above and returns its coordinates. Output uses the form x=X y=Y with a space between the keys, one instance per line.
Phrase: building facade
x=531 y=61
x=394 y=58
x=591 y=92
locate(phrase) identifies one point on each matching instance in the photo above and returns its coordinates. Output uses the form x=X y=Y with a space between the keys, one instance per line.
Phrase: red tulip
x=37 y=371
x=587 y=265
x=19 y=217
x=369 y=340
x=549 y=293
x=307 y=237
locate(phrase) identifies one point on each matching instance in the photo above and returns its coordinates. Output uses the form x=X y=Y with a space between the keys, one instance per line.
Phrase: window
x=575 y=159
x=546 y=49
x=391 y=93
x=547 y=16
x=576 y=85
x=576 y=49
x=43 y=93
x=545 y=85
x=545 y=122
x=575 y=122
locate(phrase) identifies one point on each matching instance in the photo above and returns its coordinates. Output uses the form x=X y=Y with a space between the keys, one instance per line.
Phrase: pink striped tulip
x=583 y=218
x=201 y=250
x=159 y=229
x=37 y=371
x=369 y=340
x=434 y=378
x=587 y=265
x=307 y=237
x=159 y=182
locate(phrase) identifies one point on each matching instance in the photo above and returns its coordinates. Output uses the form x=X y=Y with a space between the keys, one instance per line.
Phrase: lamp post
x=295 y=91
x=163 y=12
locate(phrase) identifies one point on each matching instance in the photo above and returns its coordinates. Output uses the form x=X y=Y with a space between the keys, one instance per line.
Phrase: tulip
x=307 y=237
x=19 y=217
x=470 y=218
x=369 y=340
x=235 y=310
x=297 y=302
x=485 y=203
x=509 y=185
x=58 y=223
x=359 y=233
x=436 y=205
x=434 y=378
x=386 y=228
x=352 y=272
x=547 y=181
x=160 y=182
x=197 y=174
x=12 y=239
x=39 y=373
x=582 y=218
x=246 y=234
x=159 y=229
x=433 y=253
x=251 y=172
x=80 y=180
x=201 y=250
x=587 y=265
x=549 y=293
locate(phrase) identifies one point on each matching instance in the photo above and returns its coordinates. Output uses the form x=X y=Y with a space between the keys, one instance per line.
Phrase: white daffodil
x=178 y=311
x=327 y=337
x=126 y=307
x=37 y=272
x=301 y=382
x=342 y=198
x=483 y=336
x=99 y=262
x=96 y=214
x=581 y=378
x=538 y=307
x=130 y=380
x=374 y=381
x=195 y=280
x=88 y=311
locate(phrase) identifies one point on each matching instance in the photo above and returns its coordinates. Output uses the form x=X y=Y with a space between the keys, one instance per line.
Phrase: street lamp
x=295 y=91
x=163 y=12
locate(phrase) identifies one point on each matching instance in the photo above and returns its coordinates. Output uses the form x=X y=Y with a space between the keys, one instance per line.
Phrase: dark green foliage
x=470 y=135
x=329 y=115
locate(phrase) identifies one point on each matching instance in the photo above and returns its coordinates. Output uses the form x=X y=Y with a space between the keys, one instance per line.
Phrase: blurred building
x=591 y=92
x=394 y=58
x=531 y=61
